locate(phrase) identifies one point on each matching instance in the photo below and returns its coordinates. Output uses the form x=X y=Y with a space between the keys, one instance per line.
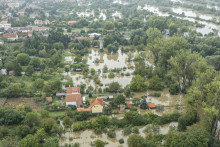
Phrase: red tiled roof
x=122 y=105
x=74 y=98
x=84 y=109
x=70 y=90
x=10 y=35
x=49 y=99
x=72 y=22
x=151 y=105
x=97 y=101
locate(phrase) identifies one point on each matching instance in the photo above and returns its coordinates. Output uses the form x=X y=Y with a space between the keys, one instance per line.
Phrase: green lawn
x=57 y=114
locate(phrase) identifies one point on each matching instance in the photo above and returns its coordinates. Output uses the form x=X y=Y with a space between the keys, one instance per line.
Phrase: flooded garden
x=87 y=137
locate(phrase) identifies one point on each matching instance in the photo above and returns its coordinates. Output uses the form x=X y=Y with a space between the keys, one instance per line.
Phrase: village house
x=97 y=105
x=21 y=12
x=41 y=22
x=73 y=97
x=5 y=25
x=11 y=37
x=74 y=100
x=122 y=109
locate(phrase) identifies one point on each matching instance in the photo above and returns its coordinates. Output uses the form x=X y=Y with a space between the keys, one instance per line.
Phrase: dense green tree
x=51 y=142
x=155 y=83
x=143 y=104
x=108 y=25
x=22 y=130
x=10 y=117
x=114 y=87
x=23 y=58
x=48 y=124
x=118 y=100
x=32 y=119
x=186 y=66
x=38 y=84
x=66 y=121
x=138 y=83
x=136 y=141
x=29 y=141
x=40 y=134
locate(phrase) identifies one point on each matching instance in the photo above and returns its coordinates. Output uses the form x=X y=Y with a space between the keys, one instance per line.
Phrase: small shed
x=49 y=99
x=151 y=105
x=60 y=95
x=78 y=70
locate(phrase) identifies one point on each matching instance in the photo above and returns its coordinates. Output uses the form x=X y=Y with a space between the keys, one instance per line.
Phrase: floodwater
x=117 y=15
x=112 y=61
x=120 y=2
x=86 y=13
x=85 y=138
x=190 y=16
x=102 y=16
x=166 y=99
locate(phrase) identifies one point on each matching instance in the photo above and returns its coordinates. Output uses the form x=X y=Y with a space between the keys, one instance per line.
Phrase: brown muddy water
x=112 y=61
x=85 y=138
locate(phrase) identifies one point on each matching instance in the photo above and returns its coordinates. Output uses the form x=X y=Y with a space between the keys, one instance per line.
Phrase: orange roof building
x=151 y=105
x=11 y=36
x=97 y=101
x=84 y=109
x=74 y=100
x=49 y=99
x=71 y=22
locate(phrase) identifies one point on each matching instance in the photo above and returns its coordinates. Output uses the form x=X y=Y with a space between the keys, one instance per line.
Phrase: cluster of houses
x=73 y=98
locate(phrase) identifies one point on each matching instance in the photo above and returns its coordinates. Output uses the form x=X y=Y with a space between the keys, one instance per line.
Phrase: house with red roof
x=71 y=22
x=74 y=100
x=10 y=36
x=73 y=97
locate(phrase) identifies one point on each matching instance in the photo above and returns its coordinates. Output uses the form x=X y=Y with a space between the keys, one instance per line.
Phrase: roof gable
x=97 y=101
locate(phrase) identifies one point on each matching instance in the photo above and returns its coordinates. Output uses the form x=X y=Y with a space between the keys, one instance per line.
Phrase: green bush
x=111 y=133
x=121 y=141
x=156 y=94
x=155 y=83
x=174 y=89
x=111 y=75
x=127 y=130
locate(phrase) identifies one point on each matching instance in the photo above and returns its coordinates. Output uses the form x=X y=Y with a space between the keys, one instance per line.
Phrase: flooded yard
x=85 y=138
x=98 y=61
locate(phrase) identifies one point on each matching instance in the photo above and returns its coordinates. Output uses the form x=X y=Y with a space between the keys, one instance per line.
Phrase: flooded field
x=85 y=138
x=189 y=15
x=112 y=61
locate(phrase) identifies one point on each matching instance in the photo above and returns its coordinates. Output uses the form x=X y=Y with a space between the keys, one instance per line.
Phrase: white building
x=5 y=25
